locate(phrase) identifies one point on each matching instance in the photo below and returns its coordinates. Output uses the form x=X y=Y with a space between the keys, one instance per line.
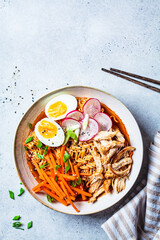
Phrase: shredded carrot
x=38 y=169
x=52 y=159
x=61 y=157
x=51 y=166
x=38 y=185
x=67 y=186
x=67 y=176
x=80 y=191
x=68 y=197
x=78 y=175
x=51 y=183
x=70 y=163
x=37 y=190
x=55 y=196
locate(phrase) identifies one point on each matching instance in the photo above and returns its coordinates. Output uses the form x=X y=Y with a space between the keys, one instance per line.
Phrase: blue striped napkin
x=140 y=217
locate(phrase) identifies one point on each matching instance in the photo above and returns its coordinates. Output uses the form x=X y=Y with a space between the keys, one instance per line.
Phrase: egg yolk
x=57 y=109
x=47 y=129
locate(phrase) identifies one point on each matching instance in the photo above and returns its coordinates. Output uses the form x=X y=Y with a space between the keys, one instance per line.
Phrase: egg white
x=68 y=100
x=55 y=141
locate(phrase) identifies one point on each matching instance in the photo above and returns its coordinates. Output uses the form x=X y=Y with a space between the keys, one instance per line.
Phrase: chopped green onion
x=16 y=217
x=25 y=148
x=73 y=183
x=17 y=224
x=21 y=183
x=39 y=145
x=21 y=192
x=44 y=165
x=56 y=178
x=29 y=225
x=29 y=139
x=66 y=156
x=46 y=150
x=57 y=166
x=11 y=194
x=30 y=125
x=70 y=134
x=78 y=182
x=40 y=156
x=67 y=168
x=49 y=198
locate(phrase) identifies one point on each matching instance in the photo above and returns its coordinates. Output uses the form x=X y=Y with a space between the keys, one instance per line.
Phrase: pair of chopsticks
x=123 y=74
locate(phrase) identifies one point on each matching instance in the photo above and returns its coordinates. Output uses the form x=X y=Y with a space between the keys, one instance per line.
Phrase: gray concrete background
x=58 y=43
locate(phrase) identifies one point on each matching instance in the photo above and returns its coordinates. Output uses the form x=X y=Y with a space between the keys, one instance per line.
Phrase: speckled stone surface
x=46 y=45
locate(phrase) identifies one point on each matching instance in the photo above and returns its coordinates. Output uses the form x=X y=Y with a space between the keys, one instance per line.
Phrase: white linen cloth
x=140 y=217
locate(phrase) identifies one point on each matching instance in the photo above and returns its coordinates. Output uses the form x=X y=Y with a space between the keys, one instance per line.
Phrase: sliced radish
x=104 y=121
x=91 y=130
x=75 y=114
x=69 y=123
x=91 y=107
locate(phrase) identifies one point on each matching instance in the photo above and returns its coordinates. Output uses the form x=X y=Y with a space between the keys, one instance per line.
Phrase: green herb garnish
x=56 y=178
x=40 y=156
x=29 y=139
x=74 y=183
x=21 y=192
x=11 y=194
x=16 y=217
x=70 y=134
x=30 y=125
x=46 y=150
x=57 y=166
x=17 y=225
x=25 y=148
x=67 y=168
x=29 y=225
x=78 y=182
x=44 y=165
x=39 y=145
x=49 y=198
x=66 y=156
x=21 y=183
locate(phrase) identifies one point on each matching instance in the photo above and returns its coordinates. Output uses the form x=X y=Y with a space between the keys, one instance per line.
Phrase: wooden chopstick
x=132 y=80
x=135 y=76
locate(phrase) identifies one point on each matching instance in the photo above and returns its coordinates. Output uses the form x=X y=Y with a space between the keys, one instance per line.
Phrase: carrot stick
x=68 y=197
x=70 y=163
x=52 y=159
x=51 y=166
x=67 y=176
x=67 y=186
x=80 y=191
x=60 y=194
x=37 y=190
x=63 y=148
x=38 y=185
x=54 y=196
x=77 y=173
x=38 y=169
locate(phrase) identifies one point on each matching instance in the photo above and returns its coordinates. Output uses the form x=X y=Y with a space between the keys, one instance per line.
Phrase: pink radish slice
x=91 y=130
x=91 y=107
x=70 y=123
x=75 y=114
x=104 y=121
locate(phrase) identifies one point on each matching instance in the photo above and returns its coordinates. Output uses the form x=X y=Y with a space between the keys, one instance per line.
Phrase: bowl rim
x=18 y=170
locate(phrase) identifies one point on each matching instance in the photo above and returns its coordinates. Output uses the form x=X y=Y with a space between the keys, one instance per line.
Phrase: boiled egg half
x=49 y=132
x=58 y=107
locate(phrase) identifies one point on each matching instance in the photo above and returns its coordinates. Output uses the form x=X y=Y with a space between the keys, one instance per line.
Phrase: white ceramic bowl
x=131 y=125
